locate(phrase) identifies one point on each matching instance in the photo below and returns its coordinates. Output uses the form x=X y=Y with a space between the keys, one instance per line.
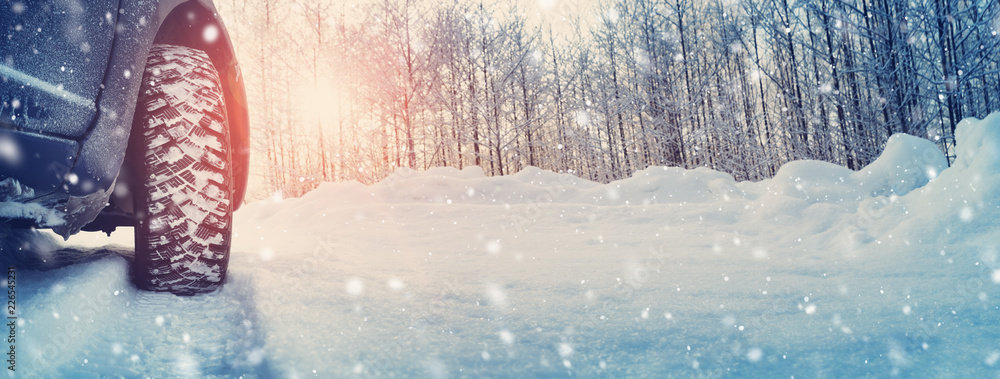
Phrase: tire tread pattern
x=185 y=207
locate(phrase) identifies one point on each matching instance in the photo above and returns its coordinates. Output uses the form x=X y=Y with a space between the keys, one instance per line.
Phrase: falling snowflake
x=354 y=287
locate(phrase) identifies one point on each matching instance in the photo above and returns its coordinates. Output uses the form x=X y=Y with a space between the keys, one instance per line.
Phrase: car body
x=70 y=73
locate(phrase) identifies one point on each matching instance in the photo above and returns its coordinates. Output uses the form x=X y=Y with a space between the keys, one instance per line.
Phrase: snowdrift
x=819 y=271
x=810 y=190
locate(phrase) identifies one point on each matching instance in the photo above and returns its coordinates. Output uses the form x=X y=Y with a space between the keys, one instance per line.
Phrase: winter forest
x=601 y=89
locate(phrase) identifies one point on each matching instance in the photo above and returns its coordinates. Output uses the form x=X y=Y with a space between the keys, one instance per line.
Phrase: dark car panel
x=54 y=55
x=42 y=162
x=103 y=149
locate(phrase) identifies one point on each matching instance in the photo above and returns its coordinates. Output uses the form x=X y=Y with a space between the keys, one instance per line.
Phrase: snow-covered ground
x=818 y=272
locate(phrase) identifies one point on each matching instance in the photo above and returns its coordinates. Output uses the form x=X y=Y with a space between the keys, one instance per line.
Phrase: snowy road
x=819 y=272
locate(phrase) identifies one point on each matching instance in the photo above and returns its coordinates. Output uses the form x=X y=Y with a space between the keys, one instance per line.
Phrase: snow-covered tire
x=185 y=188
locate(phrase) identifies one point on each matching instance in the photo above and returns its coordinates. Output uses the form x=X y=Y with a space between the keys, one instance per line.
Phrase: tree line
x=602 y=91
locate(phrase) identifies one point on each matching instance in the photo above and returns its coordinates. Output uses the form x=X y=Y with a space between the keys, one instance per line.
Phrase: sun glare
x=324 y=103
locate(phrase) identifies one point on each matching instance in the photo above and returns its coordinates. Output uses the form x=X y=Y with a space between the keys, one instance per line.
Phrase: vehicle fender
x=139 y=25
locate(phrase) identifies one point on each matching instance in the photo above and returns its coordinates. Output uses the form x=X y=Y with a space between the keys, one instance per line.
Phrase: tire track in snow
x=81 y=316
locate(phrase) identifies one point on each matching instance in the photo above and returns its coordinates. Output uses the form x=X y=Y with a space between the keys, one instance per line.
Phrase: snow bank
x=819 y=194
x=964 y=200
x=907 y=163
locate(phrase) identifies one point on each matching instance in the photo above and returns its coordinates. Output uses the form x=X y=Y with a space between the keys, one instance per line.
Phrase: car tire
x=183 y=197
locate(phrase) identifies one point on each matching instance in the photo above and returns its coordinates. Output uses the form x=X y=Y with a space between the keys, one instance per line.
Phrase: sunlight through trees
x=351 y=91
